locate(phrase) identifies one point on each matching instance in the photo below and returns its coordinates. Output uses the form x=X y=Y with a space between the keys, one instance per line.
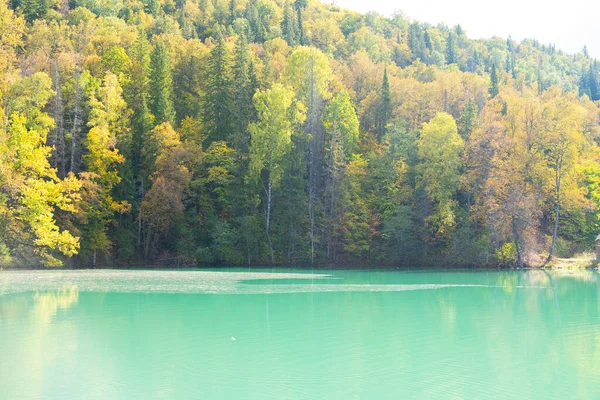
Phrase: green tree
x=161 y=85
x=385 y=111
x=217 y=102
x=440 y=150
x=271 y=141
x=300 y=5
x=107 y=121
x=493 y=89
x=288 y=25
x=34 y=9
x=244 y=87
x=451 y=49
x=341 y=125
x=309 y=72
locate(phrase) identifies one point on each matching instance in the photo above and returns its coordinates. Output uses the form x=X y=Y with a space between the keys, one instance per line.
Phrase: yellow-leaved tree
x=440 y=149
x=30 y=190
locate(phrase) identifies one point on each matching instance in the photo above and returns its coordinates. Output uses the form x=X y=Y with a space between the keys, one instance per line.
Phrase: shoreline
x=561 y=265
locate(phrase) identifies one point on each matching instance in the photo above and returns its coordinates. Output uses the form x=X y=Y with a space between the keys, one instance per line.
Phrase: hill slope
x=286 y=132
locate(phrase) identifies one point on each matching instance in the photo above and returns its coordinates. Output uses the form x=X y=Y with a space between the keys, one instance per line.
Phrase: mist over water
x=336 y=335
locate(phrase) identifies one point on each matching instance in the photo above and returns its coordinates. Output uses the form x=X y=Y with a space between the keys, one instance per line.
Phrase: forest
x=259 y=132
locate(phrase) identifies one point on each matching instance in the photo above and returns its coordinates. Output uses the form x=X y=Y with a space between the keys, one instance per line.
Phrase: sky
x=568 y=24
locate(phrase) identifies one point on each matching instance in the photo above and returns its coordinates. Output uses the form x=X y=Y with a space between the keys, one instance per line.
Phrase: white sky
x=568 y=24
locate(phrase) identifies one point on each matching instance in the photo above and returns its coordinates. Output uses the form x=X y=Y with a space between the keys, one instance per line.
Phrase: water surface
x=244 y=334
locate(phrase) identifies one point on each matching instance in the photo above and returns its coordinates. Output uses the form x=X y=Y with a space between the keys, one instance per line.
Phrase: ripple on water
x=200 y=282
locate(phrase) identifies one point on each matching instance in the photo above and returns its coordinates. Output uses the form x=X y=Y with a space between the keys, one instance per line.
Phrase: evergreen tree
x=451 y=50
x=427 y=38
x=232 y=12
x=416 y=42
x=467 y=118
x=300 y=5
x=244 y=86
x=288 y=25
x=385 y=111
x=592 y=84
x=217 y=110
x=513 y=64
x=152 y=7
x=161 y=86
x=34 y=9
x=540 y=79
x=258 y=31
x=138 y=96
x=493 y=90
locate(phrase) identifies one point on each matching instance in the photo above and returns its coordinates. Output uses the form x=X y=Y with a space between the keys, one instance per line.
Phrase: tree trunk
x=139 y=238
x=268 y=221
x=517 y=244
x=76 y=123
x=59 y=129
x=556 y=216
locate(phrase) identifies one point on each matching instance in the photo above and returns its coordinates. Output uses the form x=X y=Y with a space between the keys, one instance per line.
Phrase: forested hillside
x=264 y=131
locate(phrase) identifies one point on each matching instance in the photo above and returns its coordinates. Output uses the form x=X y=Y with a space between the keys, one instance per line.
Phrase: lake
x=272 y=334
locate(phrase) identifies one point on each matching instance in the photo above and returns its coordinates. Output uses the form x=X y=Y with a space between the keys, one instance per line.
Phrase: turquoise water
x=279 y=335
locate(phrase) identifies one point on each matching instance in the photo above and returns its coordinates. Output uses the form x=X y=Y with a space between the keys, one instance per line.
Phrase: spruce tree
x=288 y=25
x=258 y=30
x=540 y=79
x=592 y=82
x=34 y=9
x=232 y=13
x=138 y=96
x=416 y=42
x=161 y=86
x=243 y=90
x=493 y=90
x=218 y=95
x=427 y=38
x=451 y=50
x=301 y=5
x=385 y=111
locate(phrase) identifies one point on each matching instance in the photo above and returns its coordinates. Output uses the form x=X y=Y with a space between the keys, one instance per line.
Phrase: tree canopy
x=283 y=132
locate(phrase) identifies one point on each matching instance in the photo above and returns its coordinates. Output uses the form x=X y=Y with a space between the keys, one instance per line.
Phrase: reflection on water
x=46 y=304
x=537 y=276
x=337 y=335
x=41 y=306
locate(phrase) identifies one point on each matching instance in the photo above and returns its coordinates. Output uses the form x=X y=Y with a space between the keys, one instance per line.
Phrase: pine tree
x=386 y=106
x=288 y=25
x=427 y=38
x=152 y=7
x=493 y=90
x=138 y=93
x=416 y=42
x=540 y=79
x=258 y=31
x=217 y=101
x=34 y=9
x=467 y=118
x=513 y=64
x=300 y=5
x=161 y=86
x=592 y=82
x=243 y=90
x=232 y=13
x=451 y=50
